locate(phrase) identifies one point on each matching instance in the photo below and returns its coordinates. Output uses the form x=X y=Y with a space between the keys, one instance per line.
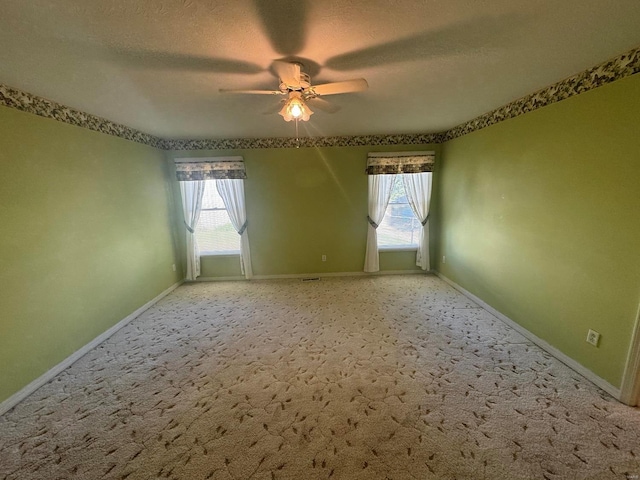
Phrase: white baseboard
x=339 y=274
x=308 y=275
x=17 y=397
x=630 y=391
x=216 y=279
x=568 y=361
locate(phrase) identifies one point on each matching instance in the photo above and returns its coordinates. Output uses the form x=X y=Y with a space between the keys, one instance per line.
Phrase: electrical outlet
x=173 y=267
x=324 y=258
x=593 y=338
x=444 y=259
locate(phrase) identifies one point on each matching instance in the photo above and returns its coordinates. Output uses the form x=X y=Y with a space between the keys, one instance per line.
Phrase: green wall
x=87 y=238
x=302 y=204
x=540 y=217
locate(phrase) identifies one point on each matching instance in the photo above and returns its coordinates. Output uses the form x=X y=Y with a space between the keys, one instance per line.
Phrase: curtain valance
x=216 y=168
x=379 y=163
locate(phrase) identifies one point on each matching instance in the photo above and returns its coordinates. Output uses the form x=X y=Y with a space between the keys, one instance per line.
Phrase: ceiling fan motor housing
x=303 y=84
x=305 y=81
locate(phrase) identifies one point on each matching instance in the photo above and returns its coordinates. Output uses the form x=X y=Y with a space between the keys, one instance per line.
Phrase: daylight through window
x=399 y=227
x=215 y=233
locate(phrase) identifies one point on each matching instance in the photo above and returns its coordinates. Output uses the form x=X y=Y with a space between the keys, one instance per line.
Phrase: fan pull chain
x=297 y=138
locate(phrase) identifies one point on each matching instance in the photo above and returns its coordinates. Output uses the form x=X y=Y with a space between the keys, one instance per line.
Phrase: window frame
x=216 y=253
x=408 y=247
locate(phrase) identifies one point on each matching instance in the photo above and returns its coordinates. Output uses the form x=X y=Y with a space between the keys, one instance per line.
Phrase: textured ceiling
x=157 y=65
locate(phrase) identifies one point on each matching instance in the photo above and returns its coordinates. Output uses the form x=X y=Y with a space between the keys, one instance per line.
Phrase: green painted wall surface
x=86 y=239
x=539 y=217
x=305 y=203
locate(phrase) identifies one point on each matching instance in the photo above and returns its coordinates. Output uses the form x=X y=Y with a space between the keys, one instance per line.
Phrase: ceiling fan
x=296 y=86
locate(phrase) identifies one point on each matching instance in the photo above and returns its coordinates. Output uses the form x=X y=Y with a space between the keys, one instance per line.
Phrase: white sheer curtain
x=232 y=193
x=192 y=192
x=379 y=196
x=418 y=188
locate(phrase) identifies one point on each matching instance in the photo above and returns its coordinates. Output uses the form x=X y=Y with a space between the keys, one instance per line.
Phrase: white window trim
x=398 y=248
x=222 y=253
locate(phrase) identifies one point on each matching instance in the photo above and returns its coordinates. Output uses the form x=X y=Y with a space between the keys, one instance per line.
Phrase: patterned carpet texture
x=396 y=377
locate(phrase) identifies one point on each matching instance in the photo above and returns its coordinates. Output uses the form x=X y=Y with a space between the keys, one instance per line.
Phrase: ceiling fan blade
x=251 y=92
x=348 y=86
x=322 y=104
x=288 y=72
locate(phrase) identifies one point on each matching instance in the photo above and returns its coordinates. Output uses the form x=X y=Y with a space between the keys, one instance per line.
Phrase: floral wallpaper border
x=287 y=142
x=619 y=67
x=622 y=66
x=26 y=102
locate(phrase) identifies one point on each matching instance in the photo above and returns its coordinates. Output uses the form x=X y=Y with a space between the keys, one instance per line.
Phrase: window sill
x=234 y=253
x=400 y=248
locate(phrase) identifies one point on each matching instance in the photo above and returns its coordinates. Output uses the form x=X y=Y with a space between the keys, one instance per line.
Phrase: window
x=215 y=233
x=394 y=178
x=399 y=228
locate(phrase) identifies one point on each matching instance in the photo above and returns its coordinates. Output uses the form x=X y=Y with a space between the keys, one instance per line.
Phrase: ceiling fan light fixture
x=295 y=108
x=296 y=85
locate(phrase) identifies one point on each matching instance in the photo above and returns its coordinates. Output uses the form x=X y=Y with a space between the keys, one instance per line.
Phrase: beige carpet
x=395 y=377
